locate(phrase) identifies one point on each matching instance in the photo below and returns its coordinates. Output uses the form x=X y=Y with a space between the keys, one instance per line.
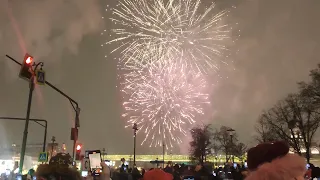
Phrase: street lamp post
x=130 y=160
x=135 y=128
x=163 y=152
x=13 y=146
x=231 y=131
x=163 y=144
x=64 y=148
x=53 y=140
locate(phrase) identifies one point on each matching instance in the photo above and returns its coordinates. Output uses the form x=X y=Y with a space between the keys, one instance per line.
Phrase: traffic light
x=78 y=151
x=26 y=68
x=79 y=147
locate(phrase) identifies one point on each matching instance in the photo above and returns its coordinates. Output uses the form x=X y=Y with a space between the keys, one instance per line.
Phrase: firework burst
x=164 y=99
x=170 y=28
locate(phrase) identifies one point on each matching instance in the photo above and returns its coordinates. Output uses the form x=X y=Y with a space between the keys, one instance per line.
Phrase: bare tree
x=264 y=132
x=310 y=97
x=240 y=150
x=214 y=148
x=307 y=120
x=224 y=142
x=293 y=120
x=200 y=146
x=311 y=90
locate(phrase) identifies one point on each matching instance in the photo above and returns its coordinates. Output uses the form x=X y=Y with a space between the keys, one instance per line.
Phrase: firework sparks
x=164 y=99
x=175 y=28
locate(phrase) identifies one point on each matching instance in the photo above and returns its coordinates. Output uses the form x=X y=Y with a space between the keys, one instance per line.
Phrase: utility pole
x=231 y=131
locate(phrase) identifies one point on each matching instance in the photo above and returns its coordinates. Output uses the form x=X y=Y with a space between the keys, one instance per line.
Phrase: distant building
x=32 y=150
x=314 y=150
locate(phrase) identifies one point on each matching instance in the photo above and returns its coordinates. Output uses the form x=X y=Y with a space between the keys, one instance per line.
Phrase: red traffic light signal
x=28 y=59
x=78 y=151
x=79 y=147
x=26 y=71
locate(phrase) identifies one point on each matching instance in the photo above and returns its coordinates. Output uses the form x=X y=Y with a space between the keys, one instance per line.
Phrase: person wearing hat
x=59 y=168
x=272 y=161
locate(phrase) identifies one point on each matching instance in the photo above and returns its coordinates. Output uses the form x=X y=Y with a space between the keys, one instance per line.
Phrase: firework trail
x=164 y=99
x=170 y=28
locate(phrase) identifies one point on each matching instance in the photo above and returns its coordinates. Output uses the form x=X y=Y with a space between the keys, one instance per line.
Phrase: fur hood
x=287 y=167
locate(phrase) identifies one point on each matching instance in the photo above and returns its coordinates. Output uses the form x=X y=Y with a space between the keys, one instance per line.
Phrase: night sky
x=279 y=43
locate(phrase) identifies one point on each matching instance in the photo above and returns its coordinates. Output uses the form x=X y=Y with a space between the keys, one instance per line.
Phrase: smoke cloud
x=46 y=28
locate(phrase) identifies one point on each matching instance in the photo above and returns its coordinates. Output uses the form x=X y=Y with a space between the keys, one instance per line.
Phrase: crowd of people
x=182 y=171
x=268 y=161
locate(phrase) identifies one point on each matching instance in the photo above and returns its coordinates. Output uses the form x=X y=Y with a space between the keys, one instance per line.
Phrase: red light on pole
x=26 y=71
x=29 y=60
x=78 y=151
x=78 y=147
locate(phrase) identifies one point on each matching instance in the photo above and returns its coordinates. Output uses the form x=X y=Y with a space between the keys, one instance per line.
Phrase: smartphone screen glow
x=19 y=177
x=188 y=178
x=235 y=165
x=307 y=166
x=84 y=173
x=95 y=161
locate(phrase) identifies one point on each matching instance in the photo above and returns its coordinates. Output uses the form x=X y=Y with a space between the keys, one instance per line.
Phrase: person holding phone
x=95 y=162
x=105 y=174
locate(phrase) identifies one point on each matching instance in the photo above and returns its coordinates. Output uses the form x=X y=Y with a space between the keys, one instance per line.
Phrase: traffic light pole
x=74 y=149
x=26 y=126
x=72 y=102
